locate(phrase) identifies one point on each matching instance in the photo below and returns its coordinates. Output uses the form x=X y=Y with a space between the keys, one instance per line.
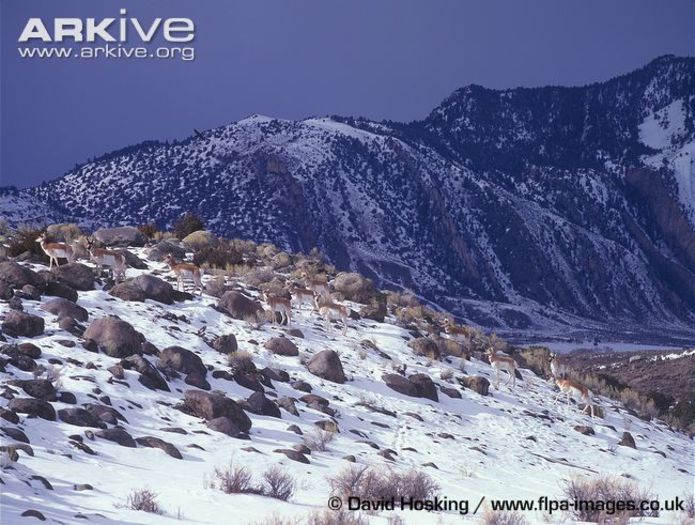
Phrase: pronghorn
x=453 y=331
x=502 y=362
x=302 y=295
x=56 y=250
x=574 y=389
x=187 y=270
x=318 y=286
x=280 y=305
x=558 y=366
x=113 y=260
x=329 y=310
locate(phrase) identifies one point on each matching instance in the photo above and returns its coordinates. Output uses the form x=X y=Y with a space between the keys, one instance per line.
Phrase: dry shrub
x=233 y=479
x=605 y=489
x=373 y=483
x=403 y=299
x=275 y=519
x=144 y=500
x=318 y=440
x=330 y=517
x=503 y=517
x=149 y=230
x=536 y=359
x=278 y=484
x=24 y=240
x=187 y=224
x=241 y=361
x=259 y=277
x=199 y=240
x=220 y=255
x=65 y=232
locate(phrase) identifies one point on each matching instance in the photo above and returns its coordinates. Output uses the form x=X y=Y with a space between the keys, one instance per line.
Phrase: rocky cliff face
x=510 y=207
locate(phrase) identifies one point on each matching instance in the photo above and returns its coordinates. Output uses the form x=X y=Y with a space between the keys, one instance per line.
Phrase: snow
x=490 y=452
x=658 y=129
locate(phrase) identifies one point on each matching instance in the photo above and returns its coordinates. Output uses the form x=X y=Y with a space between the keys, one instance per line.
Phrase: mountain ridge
x=519 y=197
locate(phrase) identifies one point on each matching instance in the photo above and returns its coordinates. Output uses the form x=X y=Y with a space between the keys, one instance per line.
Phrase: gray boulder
x=282 y=346
x=327 y=365
x=22 y=324
x=115 y=337
x=64 y=308
x=32 y=407
x=181 y=360
x=75 y=275
x=238 y=306
x=208 y=405
x=120 y=236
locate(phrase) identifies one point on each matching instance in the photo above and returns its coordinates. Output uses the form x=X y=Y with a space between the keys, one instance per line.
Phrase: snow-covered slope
x=511 y=444
x=545 y=204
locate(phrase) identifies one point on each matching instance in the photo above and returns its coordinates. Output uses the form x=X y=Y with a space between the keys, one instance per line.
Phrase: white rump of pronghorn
x=185 y=270
x=502 y=362
x=574 y=389
x=110 y=259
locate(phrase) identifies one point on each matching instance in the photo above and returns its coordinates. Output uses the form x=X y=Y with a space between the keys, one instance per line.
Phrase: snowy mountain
x=521 y=208
x=90 y=416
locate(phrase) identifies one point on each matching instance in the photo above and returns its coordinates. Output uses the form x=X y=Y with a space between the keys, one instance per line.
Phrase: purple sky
x=393 y=59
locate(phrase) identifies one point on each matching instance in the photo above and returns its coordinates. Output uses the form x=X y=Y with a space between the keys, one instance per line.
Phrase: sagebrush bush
x=144 y=500
x=233 y=479
x=278 y=484
x=318 y=440
x=604 y=489
x=65 y=232
x=503 y=517
x=149 y=230
x=187 y=224
x=241 y=361
x=221 y=255
x=24 y=240
x=330 y=517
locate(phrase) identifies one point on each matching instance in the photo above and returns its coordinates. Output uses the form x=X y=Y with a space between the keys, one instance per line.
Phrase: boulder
x=198 y=380
x=32 y=407
x=164 y=248
x=22 y=324
x=105 y=413
x=627 y=440
x=181 y=360
x=226 y=425
x=426 y=347
x=117 y=435
x=80 y=417
x=288 y=404
x=155 y=442
x=326 y=364
x=149 y=375
x=257 y=403
x=38 y=388
x=132 y=260
x=450 y=391
x=29 y=350
x=424 y=386
x=225 y=344
x=294 y=455
x=75 y=275
x=282 y=346
x=400 y=384
x=199 y=239
x=65 y=308
x=209 y=405
x=31 y=292
x=479 y=384
x=144 y=287
x=238 y=306
x=115 y=337
x=128 y=291
x=376 y=309
x=57 y=288
x=586 y=430
x=120 y=236
x=71 y=326
x=16 y=276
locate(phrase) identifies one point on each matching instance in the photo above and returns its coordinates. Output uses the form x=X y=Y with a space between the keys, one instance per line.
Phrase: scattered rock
x=15 y=434
x=79 y=487
x=117 y=435
x=238 y=306
x=400 y=384
x=288 y=404
x=80 y=417
x=586 y=430
x=424 y=386
x=115 y=337
x=478 y=384
x=354 y=287
x=32 y=513
x=38 y=388
x=181 y=360
x=144 y=287
x=282 y=346
x=163 y=248
x=225 y=425
x=22 y=324
x=149 y=376
x=294 y=455
x=627 y=440
x=120 y=236
x=451 y=392
x=65 y=308
x=198 y=380
x=155 y=442
x=75 y=275
x=225 y=344
x=426 y=347
x=326 y=364
x=257 y=403
x=275 y=374
x=17 y=276
x=105 y=413
x=209 y=406
x=328 y=425
x=29 y=350
x=300 y=385
x=32 y=407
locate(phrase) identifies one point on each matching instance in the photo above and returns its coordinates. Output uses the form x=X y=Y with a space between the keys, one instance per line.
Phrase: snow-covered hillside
x=515 y=209
x=513 y=443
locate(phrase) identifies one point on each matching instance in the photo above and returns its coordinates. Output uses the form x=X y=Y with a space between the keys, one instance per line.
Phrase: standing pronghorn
x=558 y=366
x=318 y=286
x=185 y=270
x=302 y=295
x=113 y=260
x=454 y=331
x=281 y=305
x=330 y=310
x=502 y=362
x=56 y=250
x=573 y=389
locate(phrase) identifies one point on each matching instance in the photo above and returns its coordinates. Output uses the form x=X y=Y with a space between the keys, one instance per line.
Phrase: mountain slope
x=536 y=202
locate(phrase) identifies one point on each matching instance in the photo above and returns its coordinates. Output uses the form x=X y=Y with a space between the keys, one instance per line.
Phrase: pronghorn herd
x=558 y=369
